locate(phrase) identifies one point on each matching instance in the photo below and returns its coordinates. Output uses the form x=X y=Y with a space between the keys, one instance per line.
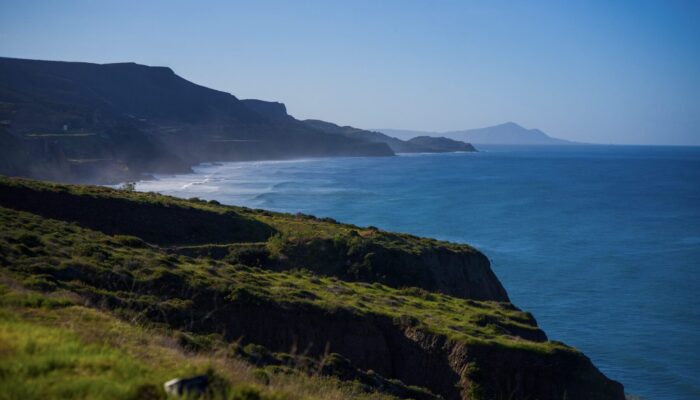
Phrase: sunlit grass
x=55 y=253
x=74 y=352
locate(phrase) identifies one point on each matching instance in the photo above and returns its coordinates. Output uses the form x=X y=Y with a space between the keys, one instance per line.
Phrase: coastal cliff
x=108 y=123
x=406 y=317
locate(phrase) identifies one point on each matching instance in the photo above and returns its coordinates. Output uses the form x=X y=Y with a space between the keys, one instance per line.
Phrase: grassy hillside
x=272 y=240
x=54 y=346
x=98 y=306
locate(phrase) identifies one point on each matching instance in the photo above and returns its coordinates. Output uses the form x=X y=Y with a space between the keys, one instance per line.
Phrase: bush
x=248 y=255
x=196 y=343
x=275 y=244
x=129 y=241
x=30 y=240
x=40 y=282
x=261 y=376
x=418 y=292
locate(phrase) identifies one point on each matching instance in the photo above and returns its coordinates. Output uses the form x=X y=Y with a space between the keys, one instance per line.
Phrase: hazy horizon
x=597 y=73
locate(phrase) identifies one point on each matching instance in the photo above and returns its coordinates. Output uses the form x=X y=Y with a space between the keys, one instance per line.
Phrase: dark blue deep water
x=601 y=243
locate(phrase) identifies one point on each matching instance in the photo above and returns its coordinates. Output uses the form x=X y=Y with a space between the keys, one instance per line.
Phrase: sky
x=623 y=72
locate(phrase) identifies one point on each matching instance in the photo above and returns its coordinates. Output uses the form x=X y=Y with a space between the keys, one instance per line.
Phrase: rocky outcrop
x=462 y=273
x=269 y=109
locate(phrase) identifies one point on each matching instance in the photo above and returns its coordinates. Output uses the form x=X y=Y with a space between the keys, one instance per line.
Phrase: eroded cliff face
x=460 y=348
x=400 y=348
x=461 y=273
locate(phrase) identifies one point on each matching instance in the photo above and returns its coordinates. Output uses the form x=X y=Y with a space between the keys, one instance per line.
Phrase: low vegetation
x=94 y=307
x=53 y=346
x=136 y=277
x=206 y=228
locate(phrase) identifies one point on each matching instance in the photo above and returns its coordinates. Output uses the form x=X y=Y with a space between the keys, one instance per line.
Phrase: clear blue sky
x=593 y=71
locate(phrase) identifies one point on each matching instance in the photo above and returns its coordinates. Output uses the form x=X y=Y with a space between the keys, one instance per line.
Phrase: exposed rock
x=400 y=350
x=460 y=273
x=194 y=386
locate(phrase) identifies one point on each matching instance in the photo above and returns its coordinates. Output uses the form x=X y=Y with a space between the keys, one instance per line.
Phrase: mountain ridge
x=79 y=121
x=115 y=122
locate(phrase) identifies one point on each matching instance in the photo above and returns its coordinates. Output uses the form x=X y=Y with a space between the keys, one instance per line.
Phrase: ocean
x=600 y=243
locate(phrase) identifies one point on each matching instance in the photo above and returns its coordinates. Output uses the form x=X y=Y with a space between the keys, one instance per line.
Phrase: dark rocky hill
x=81 y=121
x=424 y=144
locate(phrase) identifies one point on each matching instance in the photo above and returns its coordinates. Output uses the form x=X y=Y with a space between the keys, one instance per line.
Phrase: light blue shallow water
x=601 y=243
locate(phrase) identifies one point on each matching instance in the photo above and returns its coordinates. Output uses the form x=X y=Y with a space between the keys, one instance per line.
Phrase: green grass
x=291 y=226
x=111 y=307
x=75 y=352
x=208 y=229
x=46 y=362
x=50 y=253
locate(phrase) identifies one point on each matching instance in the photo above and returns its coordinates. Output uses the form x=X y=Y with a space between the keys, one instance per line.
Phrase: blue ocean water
x=601 y=243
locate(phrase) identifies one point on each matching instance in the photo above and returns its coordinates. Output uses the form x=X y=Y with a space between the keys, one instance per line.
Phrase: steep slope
x=459 y=348
x=118 y=121
x=424 y=144
x=264 y=239
x=56 y=346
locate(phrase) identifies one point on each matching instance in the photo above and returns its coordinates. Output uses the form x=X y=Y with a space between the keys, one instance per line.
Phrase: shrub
x=196 y=343
x=247 y=393
x=248 y=255
x=129 y=241
x=418 y=292
x=29 y=239
x=40 y=282
x=275 y=244
x=261 y=376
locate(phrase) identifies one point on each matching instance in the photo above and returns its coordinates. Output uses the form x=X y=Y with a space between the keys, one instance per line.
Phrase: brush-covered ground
x=109 y=293
x=55 y=346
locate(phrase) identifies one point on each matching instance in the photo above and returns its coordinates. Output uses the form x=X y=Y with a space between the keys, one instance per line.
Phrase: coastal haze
x=622 y=73
x=333 y=200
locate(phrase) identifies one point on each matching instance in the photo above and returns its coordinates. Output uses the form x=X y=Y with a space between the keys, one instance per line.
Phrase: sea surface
x=601 y=243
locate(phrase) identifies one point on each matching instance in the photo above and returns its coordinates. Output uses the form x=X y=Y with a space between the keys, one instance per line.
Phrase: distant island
x=109 y=123
x=508 y=133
